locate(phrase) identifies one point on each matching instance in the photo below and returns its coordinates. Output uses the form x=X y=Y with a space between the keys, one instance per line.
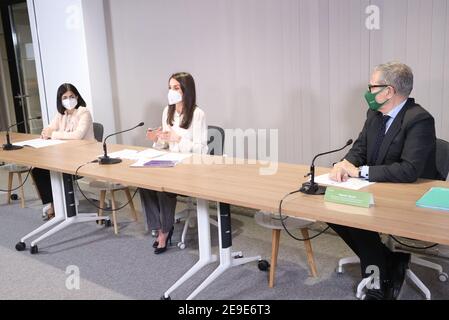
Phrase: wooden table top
x=394 y=212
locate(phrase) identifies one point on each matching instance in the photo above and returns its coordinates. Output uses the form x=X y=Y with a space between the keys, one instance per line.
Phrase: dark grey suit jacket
x=407 y=151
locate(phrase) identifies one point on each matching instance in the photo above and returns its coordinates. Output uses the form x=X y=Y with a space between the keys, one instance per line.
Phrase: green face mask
x=371 y=99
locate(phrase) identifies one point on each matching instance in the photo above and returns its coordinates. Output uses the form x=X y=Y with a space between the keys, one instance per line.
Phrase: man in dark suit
x=397 y=144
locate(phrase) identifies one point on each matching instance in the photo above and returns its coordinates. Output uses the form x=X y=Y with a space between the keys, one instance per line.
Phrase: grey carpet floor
x=125 y=267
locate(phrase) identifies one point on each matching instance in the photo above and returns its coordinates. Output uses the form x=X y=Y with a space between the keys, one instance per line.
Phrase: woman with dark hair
x=183 y=130
x=72 y=122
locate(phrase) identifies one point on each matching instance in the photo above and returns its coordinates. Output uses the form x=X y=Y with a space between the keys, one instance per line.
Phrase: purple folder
x=160 y=164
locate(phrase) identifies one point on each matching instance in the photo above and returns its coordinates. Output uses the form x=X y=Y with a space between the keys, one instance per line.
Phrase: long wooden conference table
x=218 y=179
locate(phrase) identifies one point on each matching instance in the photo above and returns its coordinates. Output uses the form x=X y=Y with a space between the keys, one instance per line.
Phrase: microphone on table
x=8 y=146
x=105 y=159
x=311 y=187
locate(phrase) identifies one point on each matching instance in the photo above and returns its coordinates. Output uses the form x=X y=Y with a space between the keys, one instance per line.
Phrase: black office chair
x=98 y=131
x=442 y=158
x=215 y=140
x=442 y=164
x=215 y=144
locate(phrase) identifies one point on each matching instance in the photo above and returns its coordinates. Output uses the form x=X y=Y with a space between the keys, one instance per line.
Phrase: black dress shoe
x=160 y=250
x=374 y=294
x=164 y=248
x=400 y=263
x=384 y=293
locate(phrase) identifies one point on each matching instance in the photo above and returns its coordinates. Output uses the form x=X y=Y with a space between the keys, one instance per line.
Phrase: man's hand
x=343 y=170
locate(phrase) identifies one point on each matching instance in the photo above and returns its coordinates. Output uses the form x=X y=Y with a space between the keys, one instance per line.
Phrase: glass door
x=7 y=112
x=22 y=66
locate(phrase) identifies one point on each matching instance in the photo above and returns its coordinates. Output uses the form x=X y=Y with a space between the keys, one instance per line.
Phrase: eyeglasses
x=370 y=86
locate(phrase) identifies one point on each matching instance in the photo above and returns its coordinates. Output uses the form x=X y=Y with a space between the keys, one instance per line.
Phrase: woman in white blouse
x=72 y=122
x=183 y=130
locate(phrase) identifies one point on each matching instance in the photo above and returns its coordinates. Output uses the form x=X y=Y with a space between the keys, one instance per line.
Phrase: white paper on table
x=135 y=155
x=351 y=183
x=39 y=143
x=173 y=156
x=149 y=153
x=122 y=154
x=140 y=163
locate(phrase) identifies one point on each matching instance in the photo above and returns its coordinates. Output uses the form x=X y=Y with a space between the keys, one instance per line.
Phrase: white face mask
x=70 y=103
x=174 y=97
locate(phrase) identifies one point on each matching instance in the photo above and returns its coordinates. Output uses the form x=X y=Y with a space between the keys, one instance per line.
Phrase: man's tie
x=380 y=137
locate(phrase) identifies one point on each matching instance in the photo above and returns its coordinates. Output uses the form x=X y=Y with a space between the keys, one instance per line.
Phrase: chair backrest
x=98 y=131
x=215 y=140
x=442 y=157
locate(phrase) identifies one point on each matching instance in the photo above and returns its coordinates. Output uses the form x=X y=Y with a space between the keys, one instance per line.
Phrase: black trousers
x=368 y=246
x=43 y=184
x=159 y=208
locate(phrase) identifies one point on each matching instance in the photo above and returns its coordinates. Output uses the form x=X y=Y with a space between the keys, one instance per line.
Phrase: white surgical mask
x=70 y=103
x=174 y=97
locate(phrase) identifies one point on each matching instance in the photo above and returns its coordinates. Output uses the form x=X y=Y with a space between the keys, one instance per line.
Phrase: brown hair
x=189 y=99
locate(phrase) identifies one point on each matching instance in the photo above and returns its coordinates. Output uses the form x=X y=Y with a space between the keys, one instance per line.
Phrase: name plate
x=349 y=197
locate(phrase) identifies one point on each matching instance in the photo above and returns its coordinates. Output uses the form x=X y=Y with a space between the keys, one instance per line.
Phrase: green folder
x=435 y=198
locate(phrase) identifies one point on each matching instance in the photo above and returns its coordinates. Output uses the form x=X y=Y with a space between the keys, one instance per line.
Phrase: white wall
x=417 y=32
x=299 y=66
x=98 y=64
x=69 y=39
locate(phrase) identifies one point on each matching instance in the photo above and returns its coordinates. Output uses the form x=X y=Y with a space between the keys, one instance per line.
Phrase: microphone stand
x=311 y=187
x=105 y=159
x=8 y=146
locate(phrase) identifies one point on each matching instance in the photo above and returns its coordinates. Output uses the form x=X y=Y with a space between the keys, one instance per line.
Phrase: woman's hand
x=46 y=133
x=153 y=135
x=169 y=136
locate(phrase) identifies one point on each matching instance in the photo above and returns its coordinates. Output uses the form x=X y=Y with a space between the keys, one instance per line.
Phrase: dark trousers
x=368 y=246
x=159 y=208
x=43 y=184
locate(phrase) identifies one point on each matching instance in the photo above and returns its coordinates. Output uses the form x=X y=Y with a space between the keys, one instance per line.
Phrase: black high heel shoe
x=163 y=249
x=155 y=244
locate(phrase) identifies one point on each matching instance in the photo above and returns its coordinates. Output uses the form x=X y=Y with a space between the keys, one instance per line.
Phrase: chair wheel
x=20 y=246
x=442 y=276
x=99 y=221
x=263 y=265
x=165 y=298
x=339 y=270
x=107 y=223
x=14 y=197
x=34 y=249
x=181 y=245
x=238 y=256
